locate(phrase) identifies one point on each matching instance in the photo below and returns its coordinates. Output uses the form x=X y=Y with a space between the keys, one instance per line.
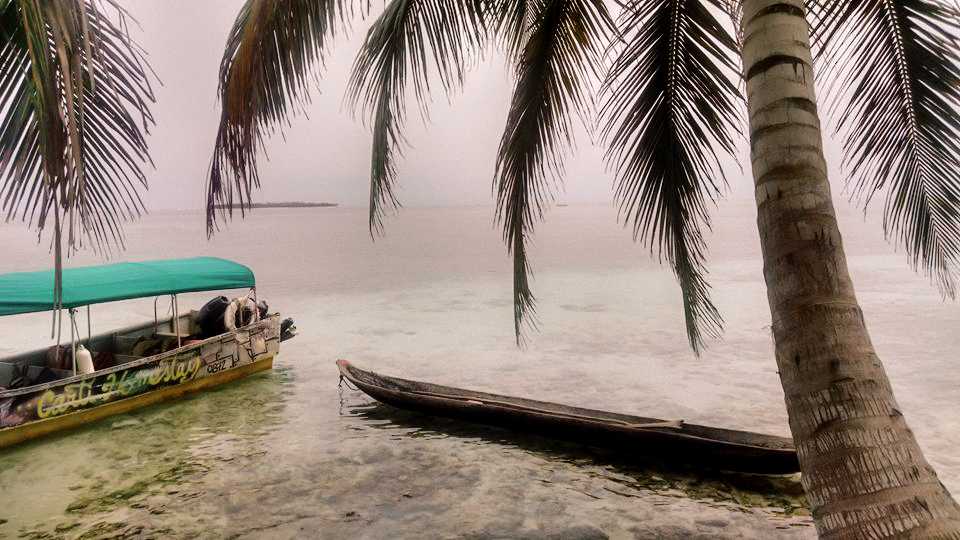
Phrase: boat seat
x=168 y=340
x=43 y=374
x=7 y=373
x=148 y=346
x=10 y=373
x=119 y=359
x=123 y=344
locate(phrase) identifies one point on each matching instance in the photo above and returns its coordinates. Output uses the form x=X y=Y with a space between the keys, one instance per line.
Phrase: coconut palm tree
x=669 y=112
x=73 y=113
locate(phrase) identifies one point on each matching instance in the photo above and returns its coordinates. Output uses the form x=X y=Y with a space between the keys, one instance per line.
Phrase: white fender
x=235 y=305
x=84 y=360
x=254 y=309
x=230 y=315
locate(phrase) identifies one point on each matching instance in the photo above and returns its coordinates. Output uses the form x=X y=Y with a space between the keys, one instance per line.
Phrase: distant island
x=286 y=205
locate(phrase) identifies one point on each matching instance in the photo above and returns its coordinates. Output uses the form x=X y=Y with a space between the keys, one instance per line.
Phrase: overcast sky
x=326 y=157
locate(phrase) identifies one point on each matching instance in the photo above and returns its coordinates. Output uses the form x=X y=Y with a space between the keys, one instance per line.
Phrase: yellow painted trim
x=33 y=430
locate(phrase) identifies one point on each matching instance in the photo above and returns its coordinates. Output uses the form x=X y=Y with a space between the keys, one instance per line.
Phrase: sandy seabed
x=291 y=454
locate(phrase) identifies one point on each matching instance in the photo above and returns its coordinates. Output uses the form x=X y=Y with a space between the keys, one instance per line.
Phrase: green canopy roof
x=26 y=292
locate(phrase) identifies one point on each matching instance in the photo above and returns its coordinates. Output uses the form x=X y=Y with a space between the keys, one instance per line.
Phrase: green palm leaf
x=73 y=114
x=409 y=39
x=895 y=69
x=558 y=62
x=269 y=55
x=670 y=106
x=513 y=24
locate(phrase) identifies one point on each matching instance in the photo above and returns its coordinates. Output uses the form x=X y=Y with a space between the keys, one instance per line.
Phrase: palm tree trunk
x=862 y=469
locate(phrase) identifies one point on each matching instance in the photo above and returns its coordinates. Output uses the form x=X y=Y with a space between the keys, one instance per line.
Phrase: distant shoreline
x=285 y=205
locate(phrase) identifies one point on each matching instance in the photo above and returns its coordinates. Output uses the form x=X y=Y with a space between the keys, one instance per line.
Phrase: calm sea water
x=292 y=454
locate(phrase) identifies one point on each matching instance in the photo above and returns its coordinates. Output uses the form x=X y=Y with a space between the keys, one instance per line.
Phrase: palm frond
x=74 y=93
x=270 y=52
x=407 y=41
x=894 y=68
x=513 y=21
x=558 y=65
x=669 y=107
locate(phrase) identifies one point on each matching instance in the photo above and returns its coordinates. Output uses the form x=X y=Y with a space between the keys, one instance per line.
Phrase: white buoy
x=84 y=360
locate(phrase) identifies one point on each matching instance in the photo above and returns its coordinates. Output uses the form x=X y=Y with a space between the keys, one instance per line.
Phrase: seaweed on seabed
x=101 y=500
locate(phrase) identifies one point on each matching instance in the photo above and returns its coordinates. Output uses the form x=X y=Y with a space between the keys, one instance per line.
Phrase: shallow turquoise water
x=291 y=454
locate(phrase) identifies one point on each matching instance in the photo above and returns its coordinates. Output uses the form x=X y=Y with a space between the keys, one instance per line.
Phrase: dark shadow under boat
x=634 y=472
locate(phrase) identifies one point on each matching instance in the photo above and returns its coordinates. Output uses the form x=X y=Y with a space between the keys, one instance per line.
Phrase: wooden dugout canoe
x=652 y=438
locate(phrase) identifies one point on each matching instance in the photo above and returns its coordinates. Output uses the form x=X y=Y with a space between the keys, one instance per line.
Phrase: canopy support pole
x=176 y=318
x=73 y=337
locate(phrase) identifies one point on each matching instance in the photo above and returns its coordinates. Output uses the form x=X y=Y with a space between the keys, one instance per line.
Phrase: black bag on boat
x=46 y=375
x=210 y=318
x=19 y=376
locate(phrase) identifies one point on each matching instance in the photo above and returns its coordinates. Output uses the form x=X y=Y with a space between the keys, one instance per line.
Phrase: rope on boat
x=347 y=381
x=670 y=424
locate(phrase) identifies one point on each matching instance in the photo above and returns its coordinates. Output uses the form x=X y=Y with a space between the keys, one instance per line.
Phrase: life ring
x=239 y=308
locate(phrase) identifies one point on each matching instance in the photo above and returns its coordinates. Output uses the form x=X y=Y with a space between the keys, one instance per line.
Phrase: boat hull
x=35 y=411
x=688 y=444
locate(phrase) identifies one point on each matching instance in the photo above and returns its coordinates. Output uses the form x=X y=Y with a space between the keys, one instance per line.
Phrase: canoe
x=59 y=387
x=675 y=442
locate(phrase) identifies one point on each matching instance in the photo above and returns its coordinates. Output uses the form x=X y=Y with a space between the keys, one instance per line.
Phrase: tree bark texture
x=862 y=469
